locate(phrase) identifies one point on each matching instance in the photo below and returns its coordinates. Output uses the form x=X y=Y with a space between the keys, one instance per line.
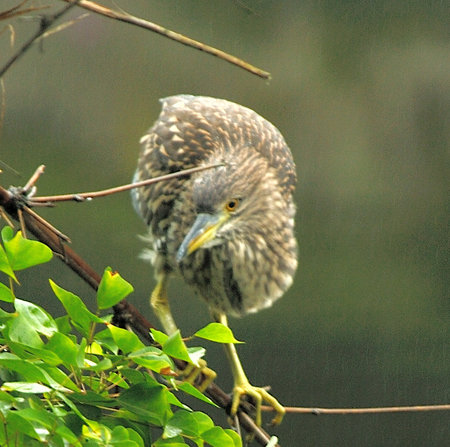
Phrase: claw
x=259 y=395
x=191 y=373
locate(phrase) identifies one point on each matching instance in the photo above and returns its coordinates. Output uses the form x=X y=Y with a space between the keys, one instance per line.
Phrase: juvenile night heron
x=228 y=231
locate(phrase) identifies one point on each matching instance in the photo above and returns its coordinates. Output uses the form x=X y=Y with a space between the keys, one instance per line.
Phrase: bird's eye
x=232 y=205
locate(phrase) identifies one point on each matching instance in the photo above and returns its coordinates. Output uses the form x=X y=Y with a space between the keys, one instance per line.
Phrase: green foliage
x=217 y=332
x=80 y=381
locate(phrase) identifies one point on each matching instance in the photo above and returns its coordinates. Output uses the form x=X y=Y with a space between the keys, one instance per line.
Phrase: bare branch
x=16 y=11
x=33 y=179
x=46 y=23
x=63 y=26
x=180 y=38
x=80 y=197
x=373 y=410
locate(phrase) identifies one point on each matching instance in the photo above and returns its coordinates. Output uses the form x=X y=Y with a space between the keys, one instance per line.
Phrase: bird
x=227 y=231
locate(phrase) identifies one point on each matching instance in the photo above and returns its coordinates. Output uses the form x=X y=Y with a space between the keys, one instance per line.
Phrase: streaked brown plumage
x=227 y=230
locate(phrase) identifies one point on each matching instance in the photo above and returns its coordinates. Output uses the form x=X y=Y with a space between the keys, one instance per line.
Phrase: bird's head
x=230 y=204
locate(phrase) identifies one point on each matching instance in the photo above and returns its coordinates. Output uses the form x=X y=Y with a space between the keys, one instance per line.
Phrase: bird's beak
x=204 y=230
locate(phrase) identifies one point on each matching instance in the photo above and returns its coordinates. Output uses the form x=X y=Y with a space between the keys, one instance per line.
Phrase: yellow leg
x=161 y=307
x=192 y=372
x=243 y=387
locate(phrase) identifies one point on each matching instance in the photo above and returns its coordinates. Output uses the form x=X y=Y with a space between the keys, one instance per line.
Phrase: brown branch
x=125 y=310
x=92 y=195
x=16 y=11
x=180 y=38
x=46 y=22
x=374 y=410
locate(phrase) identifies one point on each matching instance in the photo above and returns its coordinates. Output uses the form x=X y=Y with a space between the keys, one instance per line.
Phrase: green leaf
x=135 y=437
x=126 y=341
x=132 y=375
x=68 y=435
x=72 y=406
x=105 y=340
x=176 y=441
x=26 y=387
x=117 y=380
x=18 y=330
x=147 y=400
x=21 y=425
x=57 y=379
x=36 y=317
x=125 y=437
x=204 y=422
x=64 y=348
x=24 y=253
x=36 y=372
x=63 y=324
x=6 y=397
x=30 y=321
x=152 y=358
x=158 y=336
x=81 y=352
x=92 y=399
x=218 y=333
x=182 y=423
x=6 y=293
x=98 y=366
x=7 y=234
x=236 y=438
x=190 y=389
x=38 y=415
x=112 y=289
x=173 y=400
x=217 y=437
x=196 y=353
x=43 y=354
x=27 y=369
x=5 y=266
x=175 y=347
x=189 y=424
x=5 y=316
x=76 y=309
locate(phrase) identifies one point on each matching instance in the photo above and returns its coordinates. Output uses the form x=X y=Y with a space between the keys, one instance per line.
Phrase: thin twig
x=180 y=38
x=3 y=215
x=47 y=224
x=22 y=223
x=2 y=105
x=46 y=23
x=16 y=11
x=374 y=410
x=33 y=179
x=6 y=166
x=80 y=197
x=63 y=26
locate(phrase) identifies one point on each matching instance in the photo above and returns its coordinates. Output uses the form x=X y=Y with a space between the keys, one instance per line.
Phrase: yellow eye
x=232 y=205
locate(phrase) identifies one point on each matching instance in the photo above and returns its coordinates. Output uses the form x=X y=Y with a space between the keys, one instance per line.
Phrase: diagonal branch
x=46 y=22
x=180 y=38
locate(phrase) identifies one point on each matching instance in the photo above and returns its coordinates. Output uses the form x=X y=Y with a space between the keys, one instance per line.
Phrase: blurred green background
x=361 y=92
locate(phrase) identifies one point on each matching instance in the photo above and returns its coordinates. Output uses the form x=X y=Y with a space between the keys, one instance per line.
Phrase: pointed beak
x=204 y=230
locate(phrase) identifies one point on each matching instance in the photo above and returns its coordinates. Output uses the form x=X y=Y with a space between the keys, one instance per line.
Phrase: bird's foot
x=199 y=376
x=259 y=395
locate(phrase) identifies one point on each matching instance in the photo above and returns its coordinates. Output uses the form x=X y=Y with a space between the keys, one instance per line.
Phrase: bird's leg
x=243 y=387
x=160 y=304
x=161 y=307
